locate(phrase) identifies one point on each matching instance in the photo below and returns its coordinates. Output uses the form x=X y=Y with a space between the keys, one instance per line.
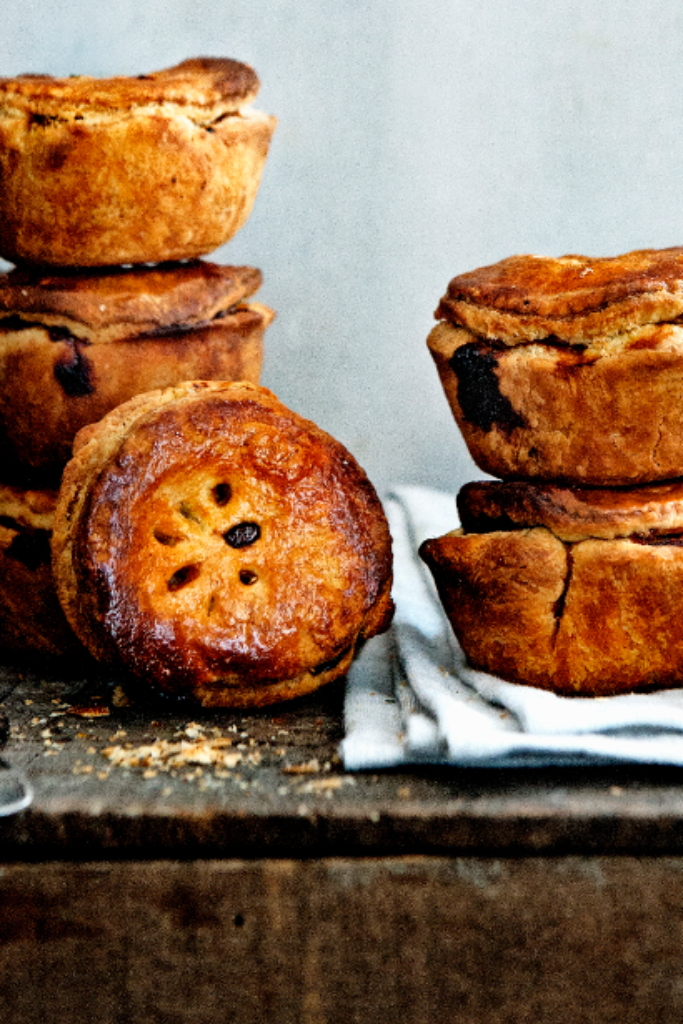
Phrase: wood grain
x=287 y=794
x=416 y=940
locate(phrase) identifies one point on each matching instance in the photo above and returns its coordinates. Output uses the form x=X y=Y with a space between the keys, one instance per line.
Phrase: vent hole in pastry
x=181 y=577
x=169 y=540
x=222 y=493
x=248 y=577
x=242 y=535
x=187 y=512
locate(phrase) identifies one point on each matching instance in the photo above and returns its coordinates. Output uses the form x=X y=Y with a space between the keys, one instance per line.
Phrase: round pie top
x=209 y=83
x=526 y=298
x=219 y=545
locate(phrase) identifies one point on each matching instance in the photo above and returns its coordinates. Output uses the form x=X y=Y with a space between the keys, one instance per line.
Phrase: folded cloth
x=16 y=792
x=412 y=698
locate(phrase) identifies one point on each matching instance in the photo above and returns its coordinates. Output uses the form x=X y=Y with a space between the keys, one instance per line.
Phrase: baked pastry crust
x=568 y=369
x=220 y=546
x=31 y=618
x=572 y=298
x=608 y=414
x=592 y=618
x=573 y=513
x=139 y=169
x=75 y=345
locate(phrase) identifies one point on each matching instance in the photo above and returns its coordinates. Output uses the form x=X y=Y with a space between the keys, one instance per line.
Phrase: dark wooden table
x=186 y=866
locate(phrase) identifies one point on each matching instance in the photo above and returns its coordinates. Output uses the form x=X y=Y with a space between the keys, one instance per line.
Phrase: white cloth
x=16 y=792
x=412 y=698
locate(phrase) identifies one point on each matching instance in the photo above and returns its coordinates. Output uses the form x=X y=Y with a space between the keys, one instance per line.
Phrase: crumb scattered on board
x=196 y=752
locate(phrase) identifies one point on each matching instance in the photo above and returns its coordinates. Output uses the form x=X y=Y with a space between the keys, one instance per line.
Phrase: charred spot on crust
x=55 y=332
x=658 y=539
x=57 y=155
x=41 y=120
x=479 y=395
x=73 y=370
x=242 y=535
x=30 y=547
x=172 y=330
x=14 y=322
x=58 y=333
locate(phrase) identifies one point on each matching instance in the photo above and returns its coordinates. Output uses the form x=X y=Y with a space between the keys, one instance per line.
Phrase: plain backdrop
x=415 y=141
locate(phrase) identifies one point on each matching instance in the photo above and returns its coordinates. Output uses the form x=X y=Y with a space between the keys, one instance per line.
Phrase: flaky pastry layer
x=651 y=512
x=572 y=298
x=73 y=346
x=141 y=169
x=592 y=618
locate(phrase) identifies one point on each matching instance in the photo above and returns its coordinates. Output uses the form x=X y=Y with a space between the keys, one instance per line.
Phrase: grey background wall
x=415 y=141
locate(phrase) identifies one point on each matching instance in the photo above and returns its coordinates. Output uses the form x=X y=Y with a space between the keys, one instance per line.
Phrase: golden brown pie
x=546 y=587
x=74 y=345
x=136 y=169
x=220 y=546
x=31 y=618
x=568 y=369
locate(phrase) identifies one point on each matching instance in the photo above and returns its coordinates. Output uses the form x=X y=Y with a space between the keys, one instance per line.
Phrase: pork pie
x=74 y=345
x=31 y=618
x=570 y=590
x=568 y=369
x=220 y=546
x=152 y=167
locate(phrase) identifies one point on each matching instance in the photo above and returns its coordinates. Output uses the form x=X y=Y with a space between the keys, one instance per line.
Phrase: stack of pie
x=111 y=192
x=565 y=377
x=159 y=509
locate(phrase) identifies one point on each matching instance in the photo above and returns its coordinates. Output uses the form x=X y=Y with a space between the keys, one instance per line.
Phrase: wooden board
x=409 y=940
x=281 y=790
x=268 y=884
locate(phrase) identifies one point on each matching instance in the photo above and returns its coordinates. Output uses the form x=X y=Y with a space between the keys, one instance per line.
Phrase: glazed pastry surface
x=573 y=298
x=220 y=546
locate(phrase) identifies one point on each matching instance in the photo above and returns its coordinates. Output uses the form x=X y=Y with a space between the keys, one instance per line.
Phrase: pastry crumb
x=164 y=755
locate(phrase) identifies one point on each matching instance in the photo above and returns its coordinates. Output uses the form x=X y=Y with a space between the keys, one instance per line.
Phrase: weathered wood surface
x=409 y=940
x=275 y=886
x=284 y=793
